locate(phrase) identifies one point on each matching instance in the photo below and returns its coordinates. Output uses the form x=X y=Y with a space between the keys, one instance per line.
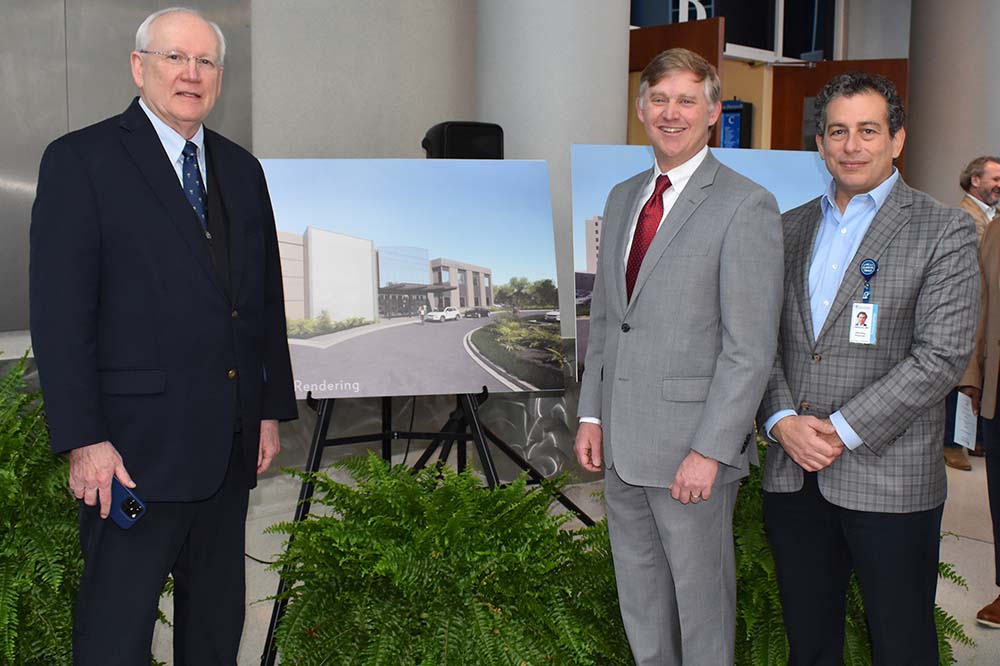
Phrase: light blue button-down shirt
x=173 y=144
x=837 y=241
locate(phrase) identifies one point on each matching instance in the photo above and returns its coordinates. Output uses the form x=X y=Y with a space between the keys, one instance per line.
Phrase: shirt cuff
x=590 y=419
x=845 y=431
x=774 y=419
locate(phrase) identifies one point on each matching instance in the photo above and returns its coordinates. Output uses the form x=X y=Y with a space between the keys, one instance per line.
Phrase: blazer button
x=804 y=406
x=231 y=374
x=626 y=328
x=817 y=358
x=236 y=314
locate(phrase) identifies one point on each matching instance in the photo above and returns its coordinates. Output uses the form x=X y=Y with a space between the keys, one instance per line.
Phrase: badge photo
x=863 y=322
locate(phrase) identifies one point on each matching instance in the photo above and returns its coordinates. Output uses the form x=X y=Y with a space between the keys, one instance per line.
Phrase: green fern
x=40 y=562
x=433 y=568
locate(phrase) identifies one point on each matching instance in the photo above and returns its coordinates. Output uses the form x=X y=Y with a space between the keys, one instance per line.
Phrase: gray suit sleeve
x=943 y=337
x=591 y=384
x=750 y=296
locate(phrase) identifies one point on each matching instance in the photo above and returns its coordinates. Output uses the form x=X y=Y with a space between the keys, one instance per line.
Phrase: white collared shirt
x=679 y=177
x=989 y=210
x=173 y=143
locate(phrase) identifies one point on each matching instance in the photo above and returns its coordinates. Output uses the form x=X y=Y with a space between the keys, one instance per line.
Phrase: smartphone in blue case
x=126 y=507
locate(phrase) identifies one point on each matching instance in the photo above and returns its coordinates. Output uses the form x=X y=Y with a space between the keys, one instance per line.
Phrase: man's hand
x=270 y=444
x=90 y=470
x=975 y=394
x=694 y=479
x=588 y=446
x=812 y=443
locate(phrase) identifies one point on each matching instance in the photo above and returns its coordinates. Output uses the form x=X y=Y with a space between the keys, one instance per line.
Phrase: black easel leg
x=468 y=402
x=452 y=425
x=536 y=476
x=323 y=412
x=387 y=429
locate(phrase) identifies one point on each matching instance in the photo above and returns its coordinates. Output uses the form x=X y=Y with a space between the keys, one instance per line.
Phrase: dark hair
x=681 y=60
x=854 y=83
x=974 y=169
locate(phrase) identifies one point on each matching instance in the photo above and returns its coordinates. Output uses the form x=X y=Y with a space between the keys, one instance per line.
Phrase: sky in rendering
x=492 y=213
x=794 y=177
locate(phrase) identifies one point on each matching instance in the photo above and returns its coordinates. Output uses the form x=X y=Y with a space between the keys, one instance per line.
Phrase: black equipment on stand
x=463 y=425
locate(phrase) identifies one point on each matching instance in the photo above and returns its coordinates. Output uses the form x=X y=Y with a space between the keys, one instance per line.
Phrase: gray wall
x=879 y=29
x=32 y=112
x=953 y=113
x=352 y=78
x=64 y=65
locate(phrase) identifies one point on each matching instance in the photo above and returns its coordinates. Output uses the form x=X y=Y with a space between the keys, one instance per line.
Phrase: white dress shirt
x=989 y=210
x=173 y=144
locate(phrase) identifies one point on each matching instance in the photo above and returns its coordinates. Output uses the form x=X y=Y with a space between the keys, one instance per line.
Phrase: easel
x=463 y=425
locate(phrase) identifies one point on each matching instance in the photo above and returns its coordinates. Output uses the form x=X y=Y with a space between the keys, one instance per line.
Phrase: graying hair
x=855 y=83
x=142 y=37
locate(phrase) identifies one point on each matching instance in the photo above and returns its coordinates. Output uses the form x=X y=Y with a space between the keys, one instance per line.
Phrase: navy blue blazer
x=136 y=339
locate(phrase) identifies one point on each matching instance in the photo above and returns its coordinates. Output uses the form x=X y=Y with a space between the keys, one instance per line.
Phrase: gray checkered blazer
x=892 y=393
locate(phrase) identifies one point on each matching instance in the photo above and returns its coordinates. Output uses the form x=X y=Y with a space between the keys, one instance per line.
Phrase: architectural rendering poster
x=794 y=177
x=417 y=277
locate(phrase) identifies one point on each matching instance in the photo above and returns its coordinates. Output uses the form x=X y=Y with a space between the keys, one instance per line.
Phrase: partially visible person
x=980 y=382
x=158 y=326
x=980 y=179
x=856 y=480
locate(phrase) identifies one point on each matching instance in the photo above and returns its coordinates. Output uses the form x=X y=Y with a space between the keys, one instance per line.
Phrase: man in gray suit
x=683 y=334
x=858 y=481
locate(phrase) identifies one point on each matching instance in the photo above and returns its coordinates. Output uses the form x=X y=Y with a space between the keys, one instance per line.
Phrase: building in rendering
x=347 y=277
x=472 y=285
x=592 y=234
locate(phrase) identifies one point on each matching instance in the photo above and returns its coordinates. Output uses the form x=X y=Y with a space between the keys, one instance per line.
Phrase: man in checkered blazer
x=856 y=480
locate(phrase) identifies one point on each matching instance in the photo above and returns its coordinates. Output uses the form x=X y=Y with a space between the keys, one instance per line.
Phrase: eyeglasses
x=178 y=60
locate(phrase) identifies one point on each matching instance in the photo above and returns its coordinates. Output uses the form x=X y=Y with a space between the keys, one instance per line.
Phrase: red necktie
x=649 y=221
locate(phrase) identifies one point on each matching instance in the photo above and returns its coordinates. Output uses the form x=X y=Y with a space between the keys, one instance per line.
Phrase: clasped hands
x=811 y=442
x=692 y=483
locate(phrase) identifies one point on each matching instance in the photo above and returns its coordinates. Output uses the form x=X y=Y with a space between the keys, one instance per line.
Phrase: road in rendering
x=411 y=359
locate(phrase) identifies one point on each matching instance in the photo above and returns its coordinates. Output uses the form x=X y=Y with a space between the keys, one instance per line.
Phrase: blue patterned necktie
x=194 y=187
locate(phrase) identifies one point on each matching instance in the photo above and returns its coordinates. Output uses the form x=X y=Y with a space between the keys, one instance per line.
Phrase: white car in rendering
x=447 y=314
x=552 y=315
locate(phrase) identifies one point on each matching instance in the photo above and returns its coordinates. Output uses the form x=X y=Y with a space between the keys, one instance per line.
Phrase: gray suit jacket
x=683 y=365
x=891 y=393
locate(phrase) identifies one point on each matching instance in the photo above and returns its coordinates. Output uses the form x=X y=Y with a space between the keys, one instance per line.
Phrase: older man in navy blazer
x=158 y=325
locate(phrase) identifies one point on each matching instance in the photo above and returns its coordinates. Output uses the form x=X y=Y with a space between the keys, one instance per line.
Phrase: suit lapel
x=695 y=192
x=800 y=251
x=143 y=145
x=630 y=205
x=226 y=171
x=890 y=218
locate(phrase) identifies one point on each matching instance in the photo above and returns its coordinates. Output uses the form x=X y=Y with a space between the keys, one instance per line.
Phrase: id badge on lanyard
x=864 y=315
